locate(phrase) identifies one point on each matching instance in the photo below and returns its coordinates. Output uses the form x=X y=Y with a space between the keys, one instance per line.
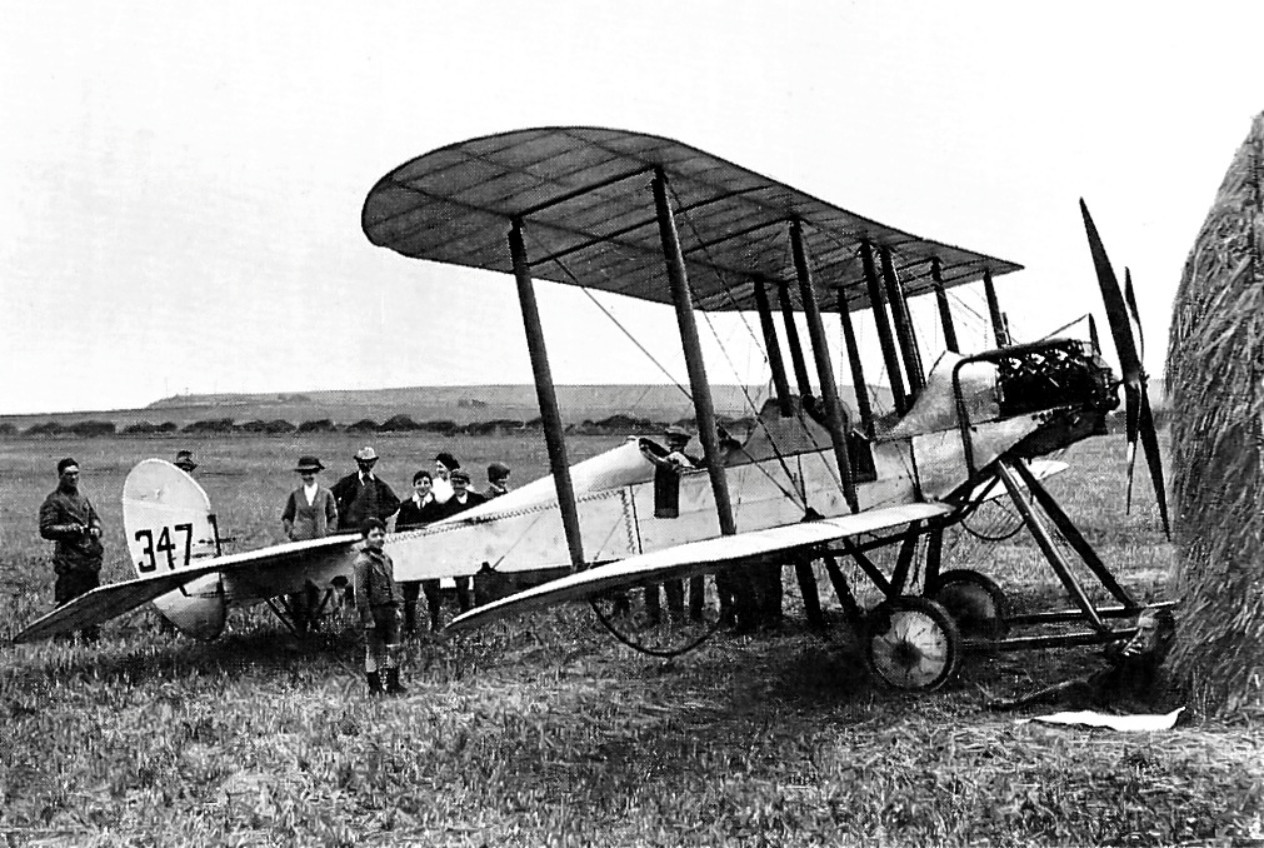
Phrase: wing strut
x=702 y=403
x=994 y=310
x=824 y=370
x=773 y=345
x=945 y=311
x=887 y=341
x=903 y=325
x=549 y=413
x=857 y=367
x=792 y=339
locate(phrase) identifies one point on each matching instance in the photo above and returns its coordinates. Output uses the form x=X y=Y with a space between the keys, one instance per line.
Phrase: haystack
x=1214 y=370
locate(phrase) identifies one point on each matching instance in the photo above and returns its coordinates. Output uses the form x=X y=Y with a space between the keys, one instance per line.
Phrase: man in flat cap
x=362 y=495
x=68 y=518
x=677 y=439
x=184 y=461
x=497 y=480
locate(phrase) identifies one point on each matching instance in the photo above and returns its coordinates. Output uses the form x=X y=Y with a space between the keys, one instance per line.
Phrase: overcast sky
x=181 y=183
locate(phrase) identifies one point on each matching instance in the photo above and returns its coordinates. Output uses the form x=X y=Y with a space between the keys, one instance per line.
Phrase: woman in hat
x=311 y=511
x=441 y=483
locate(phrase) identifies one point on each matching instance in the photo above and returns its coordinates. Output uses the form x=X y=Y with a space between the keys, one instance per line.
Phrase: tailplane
x=170 y=526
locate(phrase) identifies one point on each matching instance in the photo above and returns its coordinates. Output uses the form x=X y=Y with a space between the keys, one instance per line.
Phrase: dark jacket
x=374 y=577
x=65 y=518
x=452 y=507
x=411 y=516
x=357 y=501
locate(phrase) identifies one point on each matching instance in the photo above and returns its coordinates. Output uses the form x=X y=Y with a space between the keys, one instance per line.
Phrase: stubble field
x=542 y=730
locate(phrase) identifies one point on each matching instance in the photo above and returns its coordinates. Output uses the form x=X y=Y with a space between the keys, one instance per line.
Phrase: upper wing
x=107 y=602
x=583 y=195
x=697 y=557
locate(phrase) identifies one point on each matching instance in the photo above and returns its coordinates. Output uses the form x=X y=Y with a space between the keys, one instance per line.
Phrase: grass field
x=542 y=731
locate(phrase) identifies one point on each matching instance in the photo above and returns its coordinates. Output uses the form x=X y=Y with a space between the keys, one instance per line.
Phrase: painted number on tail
x=164 y=547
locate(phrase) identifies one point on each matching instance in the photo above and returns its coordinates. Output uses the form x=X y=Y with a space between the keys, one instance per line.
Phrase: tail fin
x=169 y=525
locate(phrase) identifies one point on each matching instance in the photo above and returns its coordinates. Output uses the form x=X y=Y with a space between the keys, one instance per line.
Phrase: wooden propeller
x=1125 y=329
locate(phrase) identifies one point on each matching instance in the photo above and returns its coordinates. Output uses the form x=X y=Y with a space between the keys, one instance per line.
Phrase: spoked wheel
x=659 y=619
x=975 y=602
x=912 y=643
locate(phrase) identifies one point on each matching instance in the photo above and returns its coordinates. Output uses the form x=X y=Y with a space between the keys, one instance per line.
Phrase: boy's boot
x=393 y=686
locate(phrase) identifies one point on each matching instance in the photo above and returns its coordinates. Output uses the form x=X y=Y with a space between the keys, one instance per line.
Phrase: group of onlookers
x=312 y=511
x=360 y=501
x=364 y=502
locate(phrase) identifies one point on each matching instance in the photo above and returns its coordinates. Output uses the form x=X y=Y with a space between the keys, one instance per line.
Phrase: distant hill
x=459 y=404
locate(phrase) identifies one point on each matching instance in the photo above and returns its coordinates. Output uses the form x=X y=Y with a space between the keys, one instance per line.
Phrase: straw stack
x=1214 y=370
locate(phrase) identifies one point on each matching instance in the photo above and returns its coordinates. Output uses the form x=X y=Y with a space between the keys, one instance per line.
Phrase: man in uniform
x=68 y=519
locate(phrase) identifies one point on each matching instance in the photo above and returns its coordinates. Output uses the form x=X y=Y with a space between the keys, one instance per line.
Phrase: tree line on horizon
x=617 y=424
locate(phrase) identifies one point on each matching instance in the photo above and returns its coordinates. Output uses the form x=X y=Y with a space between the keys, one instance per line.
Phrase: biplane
x=812 y=481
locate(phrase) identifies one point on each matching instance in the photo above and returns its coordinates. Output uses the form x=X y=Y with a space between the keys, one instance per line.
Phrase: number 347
x=164 y=545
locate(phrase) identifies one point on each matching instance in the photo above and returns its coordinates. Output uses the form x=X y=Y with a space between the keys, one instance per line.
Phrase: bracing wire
x=623 y=329
x=727 y=290
x=790 y=494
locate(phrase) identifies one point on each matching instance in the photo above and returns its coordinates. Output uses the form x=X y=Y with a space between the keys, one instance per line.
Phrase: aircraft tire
x=976 y=603
x=912 y=644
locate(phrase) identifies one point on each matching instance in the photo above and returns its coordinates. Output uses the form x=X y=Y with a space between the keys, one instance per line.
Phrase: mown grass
x=541 y=731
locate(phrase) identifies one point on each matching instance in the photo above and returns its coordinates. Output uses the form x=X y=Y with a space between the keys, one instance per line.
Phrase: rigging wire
x=623 y=329
x=790 y=494
x=727 y=290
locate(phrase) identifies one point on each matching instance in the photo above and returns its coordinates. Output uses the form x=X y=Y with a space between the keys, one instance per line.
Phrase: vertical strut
x=934 y=556
x=945 y=311
x=903 y=324
x=857 y=368
x=994 y=310
x=884 y=330
x=904 y=561
x=792 y=339
x=824 y=368
x=809 y=592
x=780 y=384
x=547 y=396
x=683 y=301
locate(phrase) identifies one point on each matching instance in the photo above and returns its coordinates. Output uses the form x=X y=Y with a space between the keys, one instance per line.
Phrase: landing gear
x=976 y=603
x=912 y=643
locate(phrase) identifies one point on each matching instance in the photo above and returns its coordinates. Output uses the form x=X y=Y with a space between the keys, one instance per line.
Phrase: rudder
x=169 y=524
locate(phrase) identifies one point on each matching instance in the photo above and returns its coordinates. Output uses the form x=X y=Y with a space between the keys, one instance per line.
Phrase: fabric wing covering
x=697 y=558
x=105 y=603
x=584 y=197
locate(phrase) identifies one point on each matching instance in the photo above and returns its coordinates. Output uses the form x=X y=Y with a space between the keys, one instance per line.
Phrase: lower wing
x=697 y=558
x=108 y=602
